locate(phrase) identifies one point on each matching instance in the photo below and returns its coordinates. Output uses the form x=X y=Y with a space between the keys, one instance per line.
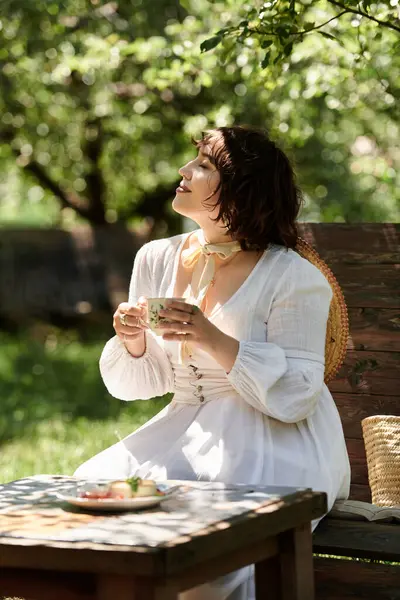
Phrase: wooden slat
x=353 y=408
x=367 y=383
x=345 y=579
x=361 y=243
x=368 y=372
x=382 y=364
x=374 y=329
x=357 y=538
x=112 y=587
x=48 y=585
x=358 y=461
x=373 y=286
x=211 y=568
x=290 y=573
x=360 y=492
x=215 y=541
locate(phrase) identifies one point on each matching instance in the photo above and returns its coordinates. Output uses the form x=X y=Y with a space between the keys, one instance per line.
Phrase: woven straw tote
x=337 y=332
x=382 y=447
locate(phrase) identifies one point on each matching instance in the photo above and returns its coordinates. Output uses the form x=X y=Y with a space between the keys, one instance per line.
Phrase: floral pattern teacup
x=154 y=305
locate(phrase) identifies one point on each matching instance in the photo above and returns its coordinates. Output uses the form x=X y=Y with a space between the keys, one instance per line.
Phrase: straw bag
x=382 y=447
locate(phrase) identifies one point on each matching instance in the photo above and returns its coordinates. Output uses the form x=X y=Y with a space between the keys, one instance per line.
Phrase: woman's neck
x=216 y=236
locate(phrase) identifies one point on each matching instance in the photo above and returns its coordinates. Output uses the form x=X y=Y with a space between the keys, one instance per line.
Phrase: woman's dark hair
x=259 y=200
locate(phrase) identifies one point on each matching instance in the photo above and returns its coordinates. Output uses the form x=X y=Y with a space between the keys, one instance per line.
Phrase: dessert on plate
x=122 y=489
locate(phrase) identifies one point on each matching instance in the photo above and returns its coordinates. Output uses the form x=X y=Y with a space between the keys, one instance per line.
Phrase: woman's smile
x=182 y=189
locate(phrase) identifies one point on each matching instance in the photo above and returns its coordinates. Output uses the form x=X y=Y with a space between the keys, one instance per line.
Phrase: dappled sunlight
x=29 y=508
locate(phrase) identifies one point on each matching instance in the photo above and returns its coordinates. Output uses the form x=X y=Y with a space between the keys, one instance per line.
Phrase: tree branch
x=154 y=204
x=323 y=24
x=94 y=180
x=304 y=32
x=67 y=200
x=366 y=15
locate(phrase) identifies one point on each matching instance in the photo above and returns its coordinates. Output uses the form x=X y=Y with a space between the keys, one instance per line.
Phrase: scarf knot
x=203 y=261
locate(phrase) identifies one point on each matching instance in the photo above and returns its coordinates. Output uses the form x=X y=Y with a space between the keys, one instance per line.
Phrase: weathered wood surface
x=374 y=329
x=56 y=585
x=283 y=567
x=344 y=579
x=360 y=492
x=363 y=539
x=34 y=584
x=368 y=372
x=372 y=286
x=358 y=243
x=355 y=407
x=289 y=574
x=185 y=530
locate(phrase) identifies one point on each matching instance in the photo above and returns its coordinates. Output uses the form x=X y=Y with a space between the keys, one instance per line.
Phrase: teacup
x=154 y=320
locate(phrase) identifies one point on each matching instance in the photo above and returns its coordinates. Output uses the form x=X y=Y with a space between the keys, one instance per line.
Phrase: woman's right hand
x=134 y=317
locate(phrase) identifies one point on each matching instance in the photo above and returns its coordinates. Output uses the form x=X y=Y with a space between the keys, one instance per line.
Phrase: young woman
x=243 y=352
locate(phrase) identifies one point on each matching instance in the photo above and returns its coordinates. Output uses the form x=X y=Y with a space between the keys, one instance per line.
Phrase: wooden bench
x=365 y=259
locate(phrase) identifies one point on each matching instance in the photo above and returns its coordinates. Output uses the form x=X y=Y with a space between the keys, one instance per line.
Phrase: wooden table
x=50 y=551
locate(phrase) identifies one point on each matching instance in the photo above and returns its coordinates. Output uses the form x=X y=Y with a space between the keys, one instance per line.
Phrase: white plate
x=110 y=504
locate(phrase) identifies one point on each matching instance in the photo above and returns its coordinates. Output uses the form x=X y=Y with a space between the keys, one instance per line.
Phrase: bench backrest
x=365 y=259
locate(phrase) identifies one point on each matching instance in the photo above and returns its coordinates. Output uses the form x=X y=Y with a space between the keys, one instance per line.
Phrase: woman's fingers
x=128 y=320
x=129 y=331
x=175 y=315
x=129 y=309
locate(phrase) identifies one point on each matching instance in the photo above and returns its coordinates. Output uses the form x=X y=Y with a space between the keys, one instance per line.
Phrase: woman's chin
x=179 y=206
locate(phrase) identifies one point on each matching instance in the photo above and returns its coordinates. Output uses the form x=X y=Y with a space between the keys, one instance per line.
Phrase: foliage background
x=99 y=100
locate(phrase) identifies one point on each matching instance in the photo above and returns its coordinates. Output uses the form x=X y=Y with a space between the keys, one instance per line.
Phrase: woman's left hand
x=189 y=323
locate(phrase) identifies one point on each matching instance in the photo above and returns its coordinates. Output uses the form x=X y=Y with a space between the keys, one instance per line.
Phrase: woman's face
x=200 y=179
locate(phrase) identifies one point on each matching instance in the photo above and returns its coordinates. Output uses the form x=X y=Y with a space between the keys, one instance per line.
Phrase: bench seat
x=345 y=535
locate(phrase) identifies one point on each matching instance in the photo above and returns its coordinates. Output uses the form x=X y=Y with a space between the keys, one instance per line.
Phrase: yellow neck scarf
x=203 y=260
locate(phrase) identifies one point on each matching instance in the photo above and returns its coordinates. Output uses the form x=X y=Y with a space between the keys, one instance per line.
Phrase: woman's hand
x=128 y=320
x=189 y=323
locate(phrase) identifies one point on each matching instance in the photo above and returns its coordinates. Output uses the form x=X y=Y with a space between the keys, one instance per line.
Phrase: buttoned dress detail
x=271 y=420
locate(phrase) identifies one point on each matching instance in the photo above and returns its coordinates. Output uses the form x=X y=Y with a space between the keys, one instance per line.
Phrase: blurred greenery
x=56 y=411
x=99 y=100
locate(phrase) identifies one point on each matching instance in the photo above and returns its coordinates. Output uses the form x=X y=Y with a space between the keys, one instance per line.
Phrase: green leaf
x=309 y=25
x=328 y=35
x=129 y=49
x=287 y=50
x=266 y=44
x=211 y=43
x=265 y=60
x=283 y=32
x=224 y=31
x=134 y=483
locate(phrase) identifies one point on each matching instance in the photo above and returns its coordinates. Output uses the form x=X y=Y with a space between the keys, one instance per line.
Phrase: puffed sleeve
x=150 y=375
x=283 y=376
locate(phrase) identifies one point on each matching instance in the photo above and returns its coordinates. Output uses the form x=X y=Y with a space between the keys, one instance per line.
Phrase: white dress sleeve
x=150 y=375
x=283 y=376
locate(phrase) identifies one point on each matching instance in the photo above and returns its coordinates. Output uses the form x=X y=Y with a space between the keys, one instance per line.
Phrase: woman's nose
x=185 y=171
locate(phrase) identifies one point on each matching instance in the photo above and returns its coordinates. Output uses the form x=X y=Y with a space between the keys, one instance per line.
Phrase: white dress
x=270 y=420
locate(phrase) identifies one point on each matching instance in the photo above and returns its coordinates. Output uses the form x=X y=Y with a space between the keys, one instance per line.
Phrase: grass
x=55 y=410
